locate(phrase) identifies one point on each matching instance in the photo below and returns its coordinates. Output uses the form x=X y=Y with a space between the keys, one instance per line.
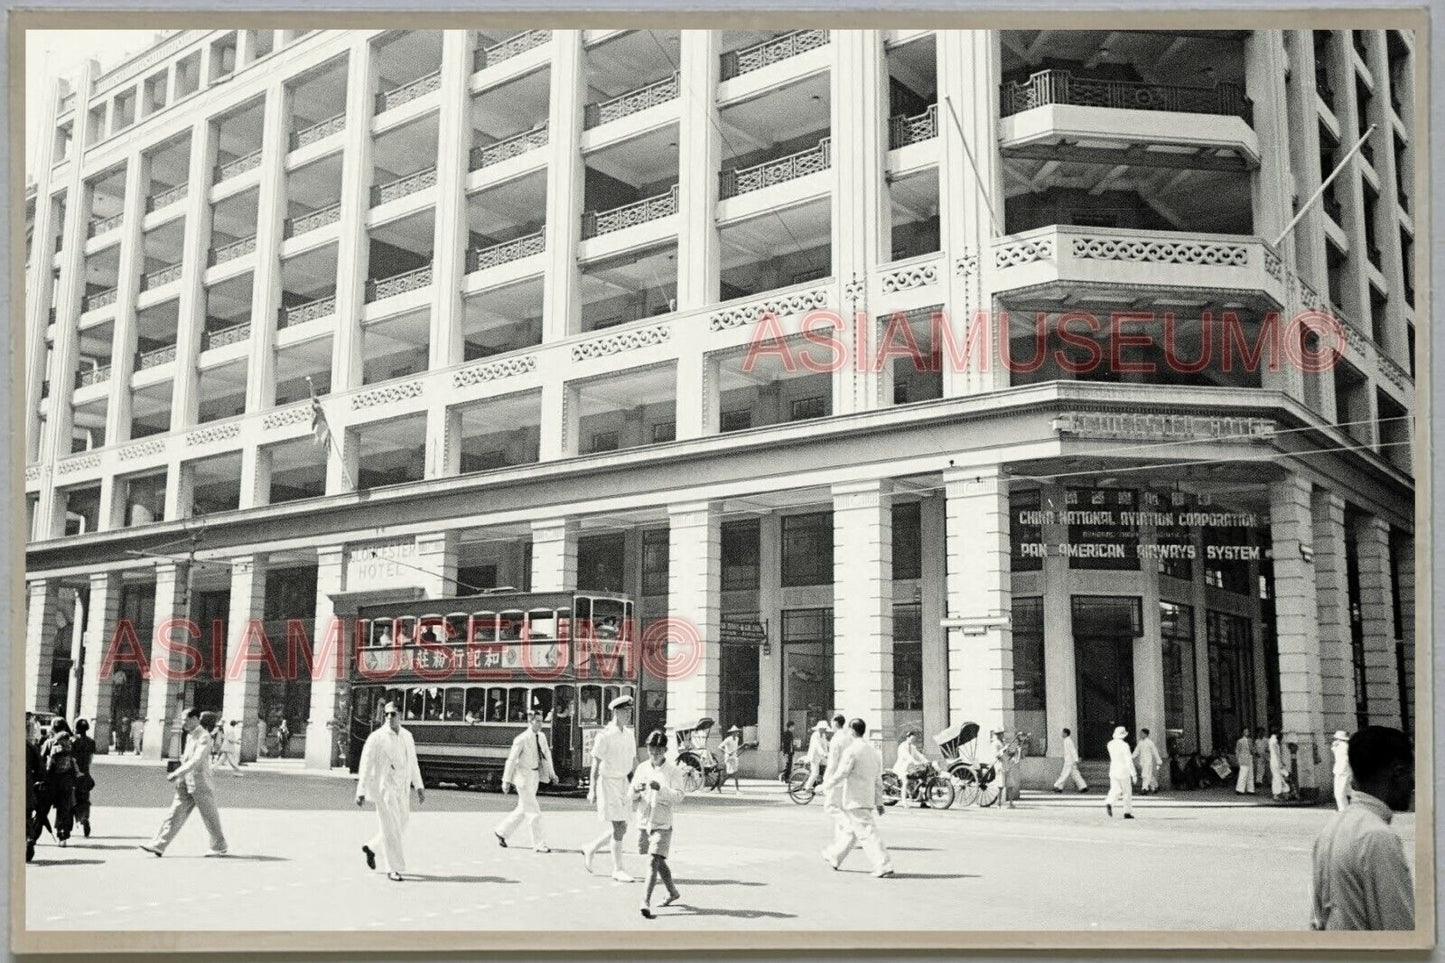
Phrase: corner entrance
x=1105 y=628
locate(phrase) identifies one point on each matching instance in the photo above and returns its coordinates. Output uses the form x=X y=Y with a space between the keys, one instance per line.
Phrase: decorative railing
x=511 y=47
x=804 y=162
x=221 y=337
x=99 y=227
x=322 y=216
x=166 y=198
x=317 y=131
x=903 y=131
x=595 y=223
x=92 y=302
x=155 y=358
x=509 y=148
x=606 y=111
x=1062 y=87
x=94 y=376
x=479 y=259
x=238 y=166
x=165 y=275
x=229 y=252
x=378 y=288
x=402 y=186
x=735 y=63
x=405 y=94
x=310 y=311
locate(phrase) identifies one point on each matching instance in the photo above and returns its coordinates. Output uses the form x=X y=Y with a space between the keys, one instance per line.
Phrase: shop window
x=1176 y=629
x=908 y=658
x=807 y=641
x=907 y=541
x=808 y=549
x=740 y=555
x=655 y=561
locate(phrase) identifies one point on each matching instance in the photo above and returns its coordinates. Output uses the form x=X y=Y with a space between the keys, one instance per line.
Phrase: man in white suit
x=857 y=780
x=1121 y=774
x=1071 y=766
x=194 y=789
x=1147 y=758
x=389 y=771
x=833 y=799
x=1340 y=748
x=528 y=764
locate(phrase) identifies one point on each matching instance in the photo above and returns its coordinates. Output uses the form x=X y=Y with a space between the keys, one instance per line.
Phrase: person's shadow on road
x=65 y=862
x=742 y=914
x=937 y=876
x=457 y=879
x=717 y=882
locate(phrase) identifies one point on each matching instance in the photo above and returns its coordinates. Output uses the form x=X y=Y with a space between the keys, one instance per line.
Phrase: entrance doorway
x=1105 y=628
x=1231 y=677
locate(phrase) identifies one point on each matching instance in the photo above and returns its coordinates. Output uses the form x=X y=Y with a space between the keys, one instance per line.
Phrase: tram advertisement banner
x=540 y=657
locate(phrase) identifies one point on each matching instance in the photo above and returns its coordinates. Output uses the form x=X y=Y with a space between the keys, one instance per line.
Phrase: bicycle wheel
x=798 y=789
x=892 y=788
x=940 y=792
x=692 y=774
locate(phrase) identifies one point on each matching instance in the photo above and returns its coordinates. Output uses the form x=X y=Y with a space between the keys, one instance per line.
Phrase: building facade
x=560 y=295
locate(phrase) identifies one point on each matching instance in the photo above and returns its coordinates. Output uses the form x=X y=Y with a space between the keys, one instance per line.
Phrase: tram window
x=406 y=629
x=511 y=627
x=496 y=704
x=433 y=705
x=565 y=696
x=608 y=694
x=542 y=702
x=627 y=691
x=456 y=626
x=476 y=709
x=381 y=631
x=429 y=629
x=584 y=608
x=364 y=631
x=484 y=626
x=517 y=705
x=591 y=706
x=607 y=618
x=542 y=624
x=415 y=704
x=452 y=711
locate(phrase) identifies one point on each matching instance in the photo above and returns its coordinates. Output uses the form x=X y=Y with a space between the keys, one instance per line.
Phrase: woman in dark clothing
x=60 y=771
x=84 y=750
x=34 y=767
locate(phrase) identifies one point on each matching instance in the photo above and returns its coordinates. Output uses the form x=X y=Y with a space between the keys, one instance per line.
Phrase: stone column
x=1061 y=691
x=562 y=282
x=770 y=662
x=699 y=160
x=694 y=596
x=554 y=555
x=980 y=652
x=934 y=607
x=863 y=604
x=1149 y=660
x=244 y=634
x=334 y=642
x=195 y=255
x=41 y=638
x=1405 y=560
x=123 y=345
x=172 y=611
x=1297 y=628
x=1382 y=681
x=1332 y=605
x=436 y=553
x=453 y=159
x=38 y=280
x=271 y=207
x=101 y=621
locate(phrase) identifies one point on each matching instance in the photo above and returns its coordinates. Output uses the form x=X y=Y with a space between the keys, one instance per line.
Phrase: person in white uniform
x=817 y=758
x=389 y=771
x=856 y=781
x=833 y=798
x=1244 y=758
x=1340 y=747
x=1278 y=771
x=1071 y=766
x=910 y=763
x=194 y=789
x=1121 y=774
x=614 y=757
x=529 y=764
x=1147 y=758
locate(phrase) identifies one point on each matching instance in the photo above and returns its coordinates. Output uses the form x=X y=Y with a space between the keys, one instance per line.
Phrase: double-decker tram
x=467 y=671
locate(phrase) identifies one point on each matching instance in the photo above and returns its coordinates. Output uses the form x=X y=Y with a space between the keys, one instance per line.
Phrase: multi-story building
x=522 y=271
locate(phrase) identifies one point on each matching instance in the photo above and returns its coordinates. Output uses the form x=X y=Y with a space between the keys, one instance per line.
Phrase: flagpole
x=978 y=177
x=1323 y=184
x=330 y=435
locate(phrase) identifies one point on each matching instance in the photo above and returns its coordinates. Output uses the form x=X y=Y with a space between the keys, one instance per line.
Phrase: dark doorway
x=1105 y=628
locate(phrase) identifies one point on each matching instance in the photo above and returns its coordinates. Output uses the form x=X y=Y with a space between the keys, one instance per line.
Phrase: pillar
x=436 y=555
x=123 y=344
x=41 y=638
x=453 y=160
x=1405 y=631
x=172 y=611
x=1382 y=681
x=242 y=694
x=699 y=160
x=863 y=604
x=1149 y=661
x=934 y=607
x=101 y=622
x=326 y=732
x=195 y=256
x=1337 y=673
x=1297 y=628
x=1061 y=692
x=770 y=660
x=694 y=595
x=561 y=280
x=554 y=555
x=980 y=647
x=270 y=223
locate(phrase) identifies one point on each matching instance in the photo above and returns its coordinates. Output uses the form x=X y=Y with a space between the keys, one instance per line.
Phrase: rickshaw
x=974 y=780
x=700 y=768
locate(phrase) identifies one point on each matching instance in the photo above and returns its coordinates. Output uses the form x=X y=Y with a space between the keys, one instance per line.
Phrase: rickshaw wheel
x=692 y=774
x=892 y=788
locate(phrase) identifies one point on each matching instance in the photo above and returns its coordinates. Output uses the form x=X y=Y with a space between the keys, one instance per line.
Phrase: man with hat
x=1340 y=747
x=528 y=764
x=389 y=771
x=614 y=756
x=1121 y=774
x=729 y=748
x=833 y=789
x=1000 y=765
x=817 y=759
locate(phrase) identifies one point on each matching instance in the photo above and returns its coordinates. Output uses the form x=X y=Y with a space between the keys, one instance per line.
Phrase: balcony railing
x=402 y=186
x=229 y=252
x=99 y=227
x=479 y=259
x=903 y=130
x=511 y=47
x=93 y=376
x=405 y=94
x=318 y=131
x=735 y=63
x=93 y=302
x=606 y=111
x=804 y=162
x=221 y=337
x=509 y=148
x=155 y=358
x=595 y=223
x=240 y=165
x=166 y=198
x=310 y=311
x=1062 y=87
x=379 y=288
x=165 y=275
x=322 y=216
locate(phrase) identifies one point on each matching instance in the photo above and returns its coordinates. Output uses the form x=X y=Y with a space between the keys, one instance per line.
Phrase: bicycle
x=801 y=788
x=929 y=787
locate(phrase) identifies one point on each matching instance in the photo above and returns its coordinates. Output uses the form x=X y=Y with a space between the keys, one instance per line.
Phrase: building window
x=1231 y=575
x=740 y=555
x=1025 y=531
x=908 y=657
x=604 y=441
x=738 y=697
x=654 y=561
x=1231 y=675
x=1176 y=628
x=805 y=408
x=808 y=549
x=664 y=431
x=807 y=641
x=599 y=563
x=736 y=420
x=907 y=541
x=1030 y=699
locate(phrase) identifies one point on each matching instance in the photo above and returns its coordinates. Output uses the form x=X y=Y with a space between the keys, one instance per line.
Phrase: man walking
x=614 y=756
x=528 y=764
x=1340 y=747
x=1071 y=766
x=833 y=798
x=1121 y=774
x=857 y=779
x=1244 y=758
x=1147 y=758
x=1361 y=880
x=789 y=746
x=137 y=734
x=656 y=789
x=388 y=772
x=194 y=789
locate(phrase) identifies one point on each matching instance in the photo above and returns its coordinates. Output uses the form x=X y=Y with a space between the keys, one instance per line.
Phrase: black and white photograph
x=626 y=481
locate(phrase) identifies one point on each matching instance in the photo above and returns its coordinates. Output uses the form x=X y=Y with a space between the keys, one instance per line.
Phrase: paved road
x=1192 y=862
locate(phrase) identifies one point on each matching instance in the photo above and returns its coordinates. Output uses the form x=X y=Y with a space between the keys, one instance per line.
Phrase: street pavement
x=742 y=861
